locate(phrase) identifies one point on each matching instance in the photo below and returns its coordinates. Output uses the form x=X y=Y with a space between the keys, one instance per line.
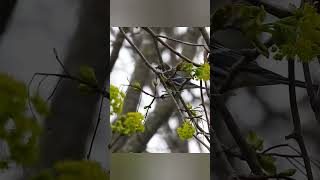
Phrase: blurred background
x=129 y=68
x=266 y=110
x=26 y=47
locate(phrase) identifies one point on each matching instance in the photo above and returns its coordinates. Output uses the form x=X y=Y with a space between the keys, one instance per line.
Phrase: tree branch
x=311 y=92
x=297 y=134
x=248 y=153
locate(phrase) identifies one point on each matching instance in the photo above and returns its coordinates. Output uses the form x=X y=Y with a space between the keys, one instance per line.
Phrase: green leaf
x=22 y=137
x=87 y=74
x=268 y=164
x=299 y=34
x=288 y=172
x=74 y=170
x=186 y=131
x=116 y=100
x=136 y=86
x=255 y=141
x=129 y=124
x=186 y=67
x=203 y=72
x=40 y=105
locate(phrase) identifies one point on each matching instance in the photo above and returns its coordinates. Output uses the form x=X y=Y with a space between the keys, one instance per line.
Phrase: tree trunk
x=68 y=127
x=6 y=10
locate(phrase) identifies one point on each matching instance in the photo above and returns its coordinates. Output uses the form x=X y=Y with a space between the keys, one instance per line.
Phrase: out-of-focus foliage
x=299 y=34
x=88 y=75
x=267 y=162
x=74 y=170
x=40 y=105
x=136 y=86
x=248 y=19
x=129 y=124
x=255 y=141
x=186 y=131
x=295 y=35
x=19 y=130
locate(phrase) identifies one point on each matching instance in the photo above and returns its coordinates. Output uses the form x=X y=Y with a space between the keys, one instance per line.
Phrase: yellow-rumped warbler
x=179 y=79
x=247 y=74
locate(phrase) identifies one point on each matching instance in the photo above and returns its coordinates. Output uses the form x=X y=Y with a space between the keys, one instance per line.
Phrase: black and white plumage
x=180 y=80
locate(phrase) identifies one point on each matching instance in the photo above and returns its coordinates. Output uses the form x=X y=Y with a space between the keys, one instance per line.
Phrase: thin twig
x=55 y=89
x=297 y=134
x=146 y=62
x=203 y=105
x=60 y=62
x=170 y=48
x=29 y=96
x=182 y=42
x=248 y=153
x=158 y=50
x=296 y=166
x=96 y=128
x=103 y=92
x=311 y=93
x=274 y=147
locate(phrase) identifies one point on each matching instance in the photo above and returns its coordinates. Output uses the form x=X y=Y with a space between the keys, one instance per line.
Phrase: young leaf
x=116 y=100
x=268 y=164
x=255 y=141
x=186 y=131
x=87 y=74
x=203 y=72
x=136 y=86
x=129 y=124
x=298 y=35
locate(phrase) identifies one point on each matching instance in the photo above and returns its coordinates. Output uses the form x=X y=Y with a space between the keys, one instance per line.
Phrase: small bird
x=249 y=73
x=178 y=78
